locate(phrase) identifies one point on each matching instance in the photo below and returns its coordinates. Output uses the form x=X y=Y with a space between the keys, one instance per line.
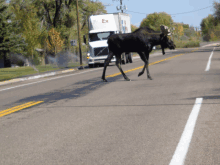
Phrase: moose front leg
x=162 y=49
x=145 y=59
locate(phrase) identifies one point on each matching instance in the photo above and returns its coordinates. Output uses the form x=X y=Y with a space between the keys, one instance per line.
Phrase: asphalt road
x=84 y=121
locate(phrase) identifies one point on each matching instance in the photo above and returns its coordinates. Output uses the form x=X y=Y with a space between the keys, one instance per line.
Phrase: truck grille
x=101 y=51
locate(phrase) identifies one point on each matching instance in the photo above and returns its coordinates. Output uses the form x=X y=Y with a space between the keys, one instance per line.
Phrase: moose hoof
x=127 y=79
x=140 y=74
x=150 y=78
x=104 y=80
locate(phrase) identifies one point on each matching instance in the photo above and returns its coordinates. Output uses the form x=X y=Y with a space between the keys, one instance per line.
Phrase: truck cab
x=100 y=28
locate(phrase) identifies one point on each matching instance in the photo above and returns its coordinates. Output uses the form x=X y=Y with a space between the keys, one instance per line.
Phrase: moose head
x=166 y=42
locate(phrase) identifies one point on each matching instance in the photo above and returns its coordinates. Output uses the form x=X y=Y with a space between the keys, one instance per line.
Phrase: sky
x=168 y=6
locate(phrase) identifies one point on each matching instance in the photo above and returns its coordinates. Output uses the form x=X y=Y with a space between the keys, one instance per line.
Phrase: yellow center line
x=116 y=74
x=16 y=107
x=141 y=67
x=20 y=107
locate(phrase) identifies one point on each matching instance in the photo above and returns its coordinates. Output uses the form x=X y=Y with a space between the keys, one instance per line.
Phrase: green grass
x=11 y=73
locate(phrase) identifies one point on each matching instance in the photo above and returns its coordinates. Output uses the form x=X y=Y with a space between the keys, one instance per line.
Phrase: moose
x=141 y=41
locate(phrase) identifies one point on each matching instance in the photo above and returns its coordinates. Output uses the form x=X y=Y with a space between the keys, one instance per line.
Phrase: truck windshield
x=99 y=36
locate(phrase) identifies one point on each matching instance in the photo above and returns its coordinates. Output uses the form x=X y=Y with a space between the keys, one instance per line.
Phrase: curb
x=36 y=77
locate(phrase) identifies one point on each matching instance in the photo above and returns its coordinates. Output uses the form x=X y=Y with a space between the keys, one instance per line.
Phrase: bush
x=187 y=44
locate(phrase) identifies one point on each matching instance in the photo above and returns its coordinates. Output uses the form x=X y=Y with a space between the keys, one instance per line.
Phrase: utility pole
x=122 y=8
x=78 y=27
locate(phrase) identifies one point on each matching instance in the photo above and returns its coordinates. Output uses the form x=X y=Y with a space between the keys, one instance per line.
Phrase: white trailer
x=100 y=28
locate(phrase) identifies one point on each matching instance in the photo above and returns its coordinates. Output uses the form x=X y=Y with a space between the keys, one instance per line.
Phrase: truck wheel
x=126 y=56
x=123 y=59
x=91 y=65
x=130 y=58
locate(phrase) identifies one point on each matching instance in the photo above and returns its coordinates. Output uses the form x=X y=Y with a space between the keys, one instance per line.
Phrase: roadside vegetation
x=11 y=73
x=183 y=35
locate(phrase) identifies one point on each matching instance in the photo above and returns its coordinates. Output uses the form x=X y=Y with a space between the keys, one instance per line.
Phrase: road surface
x=76 y=119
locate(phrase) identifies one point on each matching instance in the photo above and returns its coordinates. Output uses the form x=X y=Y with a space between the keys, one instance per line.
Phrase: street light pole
x=78 y=27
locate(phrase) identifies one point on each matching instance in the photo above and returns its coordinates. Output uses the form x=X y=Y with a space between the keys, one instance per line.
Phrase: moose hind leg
x=106 y=64
x=147 y=62
x=118 y=61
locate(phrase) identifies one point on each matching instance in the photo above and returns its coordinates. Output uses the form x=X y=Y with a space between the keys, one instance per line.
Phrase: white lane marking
x=182 y=148
x=48 y=79
x=209 y=61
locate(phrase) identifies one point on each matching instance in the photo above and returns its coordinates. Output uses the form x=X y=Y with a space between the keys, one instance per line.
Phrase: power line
x=192 y=11
x=176 y=13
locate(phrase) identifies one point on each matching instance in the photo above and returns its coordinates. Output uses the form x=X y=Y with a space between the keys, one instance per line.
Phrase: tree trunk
x=43 y=59
x=32 y=55
x=4 y=59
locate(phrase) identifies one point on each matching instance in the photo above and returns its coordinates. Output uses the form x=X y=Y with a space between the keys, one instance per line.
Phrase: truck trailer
x=100 y=28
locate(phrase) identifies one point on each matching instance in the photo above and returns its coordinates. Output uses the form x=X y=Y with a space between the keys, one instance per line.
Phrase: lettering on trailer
x=104 y=21
x=124 y=28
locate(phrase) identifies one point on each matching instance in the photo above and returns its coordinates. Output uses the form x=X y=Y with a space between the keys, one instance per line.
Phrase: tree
x=189 y=32
x=186 y=26
x=178 y=30
x=54 y=42
x=27 y=20
x=156 y=19
x=208 y=26
x=207 y=23
x=216 y=11
x=64 y=15
x=9 y=41
x=133 y=28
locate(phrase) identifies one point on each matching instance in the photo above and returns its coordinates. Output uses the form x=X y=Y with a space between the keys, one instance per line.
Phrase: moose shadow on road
x=74 y=91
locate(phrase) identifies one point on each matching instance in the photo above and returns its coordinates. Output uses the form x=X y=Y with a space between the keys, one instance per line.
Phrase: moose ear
x=165 y=30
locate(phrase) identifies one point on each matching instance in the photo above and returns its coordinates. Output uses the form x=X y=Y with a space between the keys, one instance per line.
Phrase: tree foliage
x=207 y=23
x=216 y=10
x=189 y=32
x=186 y=26
x=4 y=32
x=9 y=40
x=156 y=19
x=210 y=24
x=133 y=28
x=178 y=30
x=30 y=26
x=54 y=41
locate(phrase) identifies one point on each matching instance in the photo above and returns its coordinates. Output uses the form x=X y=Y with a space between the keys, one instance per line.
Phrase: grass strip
x=11 y=73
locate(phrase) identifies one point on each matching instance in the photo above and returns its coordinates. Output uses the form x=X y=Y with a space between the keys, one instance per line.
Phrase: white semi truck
x=100 y=28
